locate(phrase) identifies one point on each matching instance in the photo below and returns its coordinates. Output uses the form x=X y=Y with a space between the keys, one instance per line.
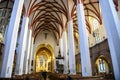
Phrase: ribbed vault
x=46 y=15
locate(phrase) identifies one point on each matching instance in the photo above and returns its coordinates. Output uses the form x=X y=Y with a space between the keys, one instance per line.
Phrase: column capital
x=68 y=12
x=30 y=27
x=69 y=16
x=64 y=29
x=79 y=1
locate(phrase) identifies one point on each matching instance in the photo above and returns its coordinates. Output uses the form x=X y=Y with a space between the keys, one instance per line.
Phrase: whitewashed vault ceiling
x=47 y=15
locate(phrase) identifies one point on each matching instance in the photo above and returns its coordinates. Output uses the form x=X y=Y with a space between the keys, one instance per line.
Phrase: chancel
x=78 y=39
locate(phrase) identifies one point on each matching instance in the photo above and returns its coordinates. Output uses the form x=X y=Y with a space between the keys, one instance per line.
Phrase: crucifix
x=46 y=35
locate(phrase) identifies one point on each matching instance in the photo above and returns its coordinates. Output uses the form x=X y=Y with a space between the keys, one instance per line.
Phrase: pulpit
x=60 y=67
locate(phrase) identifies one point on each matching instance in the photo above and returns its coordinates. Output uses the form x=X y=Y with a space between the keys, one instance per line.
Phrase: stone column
x=71 y=48
x=31 y=56
x=11 y=40
x=65 y=52
x=26 y=58
x=112 y=27
x=5 y=35
x=84 y=47
x=22 y=46
x=61 y=50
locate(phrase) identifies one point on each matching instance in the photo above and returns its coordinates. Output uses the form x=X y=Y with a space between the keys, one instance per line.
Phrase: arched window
x=102 y=66
x=95 y=24
x=95 y=28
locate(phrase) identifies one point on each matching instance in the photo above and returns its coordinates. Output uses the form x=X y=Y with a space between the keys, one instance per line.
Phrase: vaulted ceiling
x=47 y=15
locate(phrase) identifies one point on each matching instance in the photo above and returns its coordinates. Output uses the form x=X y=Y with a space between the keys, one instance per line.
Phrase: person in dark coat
x=44 y=74
x=69 y=78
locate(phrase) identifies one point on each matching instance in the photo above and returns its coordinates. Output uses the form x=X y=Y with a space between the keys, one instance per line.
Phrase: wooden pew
x=56 y=76
x=77 y=77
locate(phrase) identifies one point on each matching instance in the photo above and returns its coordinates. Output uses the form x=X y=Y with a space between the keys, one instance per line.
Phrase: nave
x=78 y=38
x=57 y=76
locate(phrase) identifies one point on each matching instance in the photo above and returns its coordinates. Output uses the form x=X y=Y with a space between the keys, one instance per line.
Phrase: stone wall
x=95 y=52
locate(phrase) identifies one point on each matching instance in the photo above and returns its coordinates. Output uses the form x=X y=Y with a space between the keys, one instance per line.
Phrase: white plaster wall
x=40 y=39
x=102 y=34
x=91 y=40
